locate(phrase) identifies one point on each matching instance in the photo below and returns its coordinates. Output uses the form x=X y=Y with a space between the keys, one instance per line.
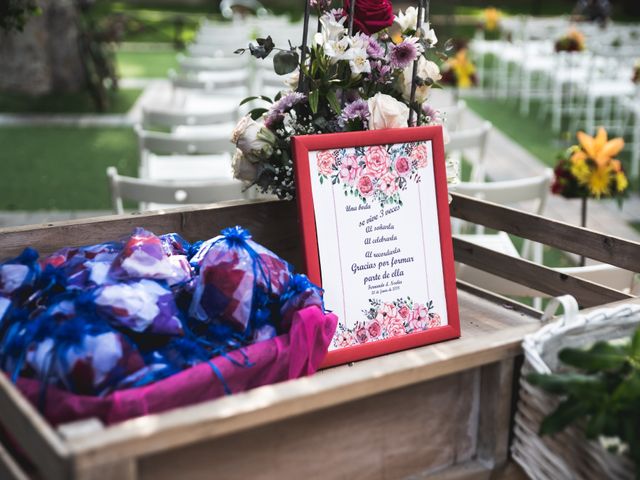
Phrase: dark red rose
x=370 y=16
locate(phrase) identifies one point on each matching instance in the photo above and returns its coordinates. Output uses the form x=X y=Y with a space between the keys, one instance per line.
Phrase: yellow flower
x=491 y=18
x=599 y=181
x=463 y=69
x=621 y=182
x=598 y=148
x=580 y=169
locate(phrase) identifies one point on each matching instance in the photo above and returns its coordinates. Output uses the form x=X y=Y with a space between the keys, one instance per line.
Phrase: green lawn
x=121 y=102
x=145 y=64
x=62 y=168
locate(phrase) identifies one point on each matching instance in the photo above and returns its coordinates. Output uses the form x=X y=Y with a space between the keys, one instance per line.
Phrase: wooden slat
x=9 y=468
x=598 y=246
x=543 y=279
x=489 y=334
x=38 y=440
x=272 y=223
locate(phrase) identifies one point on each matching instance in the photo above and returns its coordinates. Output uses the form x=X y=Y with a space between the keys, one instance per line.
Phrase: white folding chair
x=213 y=64
x=168 y=156
x=474 y=141
x=511 y=193
x=232 y=82
x=453 y=115
x=191 y=124
x=158 y=194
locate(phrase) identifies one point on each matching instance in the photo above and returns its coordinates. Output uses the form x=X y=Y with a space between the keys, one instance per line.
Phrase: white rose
x=387 y=112
x=243 y=169
x=253 y=139
x=292 y=79
x=427 y=71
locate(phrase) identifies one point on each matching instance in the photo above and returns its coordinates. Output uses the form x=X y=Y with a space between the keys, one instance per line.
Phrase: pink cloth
x=293 y=355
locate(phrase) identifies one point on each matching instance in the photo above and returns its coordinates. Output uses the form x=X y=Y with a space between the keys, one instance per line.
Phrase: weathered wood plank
x=598 y=246
x=32 y=432
x=386 y=436
x=272 y=223
x=524 y=272
x=489 y=334
x=9 y=468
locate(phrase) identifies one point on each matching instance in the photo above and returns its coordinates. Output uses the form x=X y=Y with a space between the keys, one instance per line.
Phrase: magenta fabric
x=296 y=354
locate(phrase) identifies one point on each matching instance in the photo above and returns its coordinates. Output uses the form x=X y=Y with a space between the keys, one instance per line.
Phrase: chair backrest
x=169 y=143
x=165 y=117
x=510 y=192
x=215 y=49
x=169 y=192
x=453 y=115
x=213 y=64
x=232 y=79
x=472 y=139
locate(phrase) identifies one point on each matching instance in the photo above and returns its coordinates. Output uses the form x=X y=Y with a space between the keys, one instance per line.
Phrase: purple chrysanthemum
x=404 y=53
x=357 y=110
x=374 y=49
x=276 y=113
x=431 y=113
x=321 y=5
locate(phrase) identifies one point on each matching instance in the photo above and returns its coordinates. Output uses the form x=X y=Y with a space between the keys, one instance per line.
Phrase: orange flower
x=598 y=148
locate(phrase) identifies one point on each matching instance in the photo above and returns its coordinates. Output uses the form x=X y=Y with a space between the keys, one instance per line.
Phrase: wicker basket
x=568 y=454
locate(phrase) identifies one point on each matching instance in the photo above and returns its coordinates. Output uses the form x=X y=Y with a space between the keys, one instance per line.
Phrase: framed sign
x=377 y=237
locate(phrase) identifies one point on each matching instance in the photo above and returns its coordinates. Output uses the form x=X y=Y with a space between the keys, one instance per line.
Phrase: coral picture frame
x=376 y=233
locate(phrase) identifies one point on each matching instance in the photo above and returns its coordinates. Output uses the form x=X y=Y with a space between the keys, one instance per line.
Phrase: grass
x=121 y=102
x=62 y=168
x=145 y=64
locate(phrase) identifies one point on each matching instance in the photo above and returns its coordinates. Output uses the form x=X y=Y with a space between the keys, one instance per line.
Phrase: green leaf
x=314 y=97
x=285 y=61
x=566 y=383
x=635 y=345
x=333 y=101
x=256 y=113
x=259 y=97
x=602 y=356
x=566 y=413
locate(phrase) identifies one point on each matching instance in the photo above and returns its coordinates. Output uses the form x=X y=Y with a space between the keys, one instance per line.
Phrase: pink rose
x=365 y=185
x=344 y=339
x=434 y=321
x=362 y=335
x=404 y=312
x=388 y=183
x=396 y=327
x=326 y=162
x=420 y=314
x=420 y=155
x=374 y=329
x=350 y=170
x=415 y=324
x=386 y=313
x=403 y=166
x=377 y=160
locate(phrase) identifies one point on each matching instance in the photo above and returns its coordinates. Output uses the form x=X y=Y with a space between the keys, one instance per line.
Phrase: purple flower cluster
x=276 y=113
x=357 y=110
x=321 y=5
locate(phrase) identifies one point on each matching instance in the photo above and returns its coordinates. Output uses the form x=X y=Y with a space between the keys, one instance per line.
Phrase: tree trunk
x=45 y=57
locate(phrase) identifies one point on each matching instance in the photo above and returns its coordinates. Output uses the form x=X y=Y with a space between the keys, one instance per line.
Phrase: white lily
x=359 y=62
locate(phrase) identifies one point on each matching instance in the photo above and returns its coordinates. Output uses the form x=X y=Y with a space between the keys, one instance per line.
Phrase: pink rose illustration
x=386 y=313
x=404 y=312
x=396 y=327
x=344 y=339
x=402 y=166
x=326 y=162
x=350 y=170
x=365 y=185
x=362 y=335
x=434 y=321
x=388 y=183
x=420 y=314
x=374 y=329
x=377 y=160
x=420 y=155
x=416 y=324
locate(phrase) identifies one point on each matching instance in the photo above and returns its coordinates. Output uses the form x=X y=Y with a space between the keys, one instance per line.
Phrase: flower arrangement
x=572 y=41
x=345 y=81
x=491 y=20
x=387 y=320
x=459 y=70
x=590 y=169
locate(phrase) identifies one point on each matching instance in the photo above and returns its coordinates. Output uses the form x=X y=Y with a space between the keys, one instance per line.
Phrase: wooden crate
x=442 y=410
